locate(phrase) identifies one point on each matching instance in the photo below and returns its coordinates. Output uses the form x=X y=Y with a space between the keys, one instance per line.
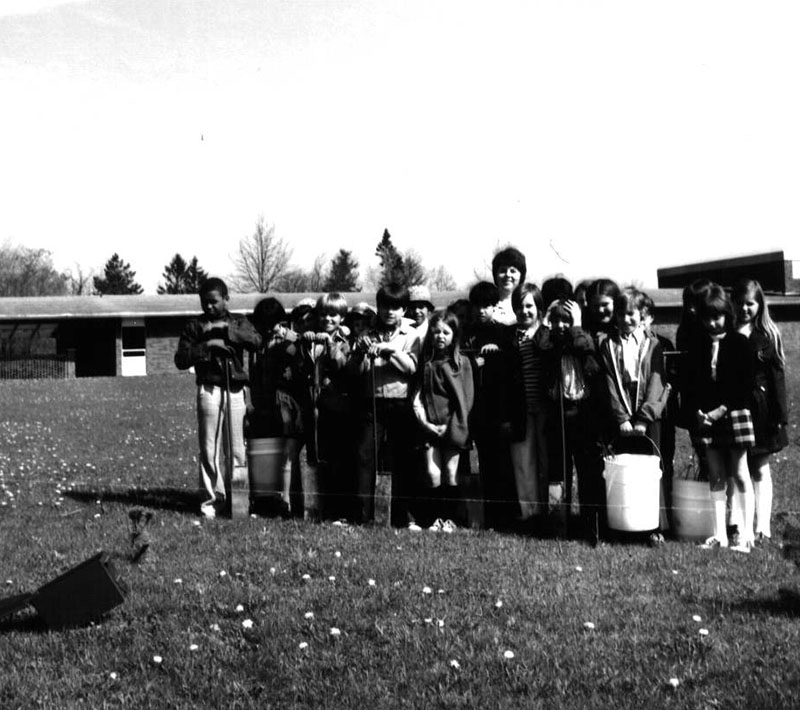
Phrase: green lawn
x=242 y=614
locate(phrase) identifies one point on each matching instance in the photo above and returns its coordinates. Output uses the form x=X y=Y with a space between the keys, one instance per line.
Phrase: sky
x=603 y=138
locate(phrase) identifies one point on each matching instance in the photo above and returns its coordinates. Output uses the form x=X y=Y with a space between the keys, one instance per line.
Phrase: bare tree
x=318 y=274
x=261 y=260
x=440 y=279
x=29 y=272
x=80 y=282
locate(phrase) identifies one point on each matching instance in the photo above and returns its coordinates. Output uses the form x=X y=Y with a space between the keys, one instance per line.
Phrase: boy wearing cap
x=419 y=309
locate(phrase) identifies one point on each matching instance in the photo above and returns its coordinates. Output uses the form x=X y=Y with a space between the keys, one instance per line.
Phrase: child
x=359 y=320
x=556 y=288
x=767 y=401
x=419 y=309
x=329 y=419
x=508 y=271
x=214 y=344
x=277 y=388
x=634 y=368
x=571 y=370
x=529 y=456
x=600 y=297
x=498 y=414
x=385 y=361
x=443 y=400
x=719 y=368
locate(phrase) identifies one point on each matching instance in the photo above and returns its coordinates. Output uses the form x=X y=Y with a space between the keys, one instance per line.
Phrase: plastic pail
x=692 y=509
x=632 y=491
x=265 y=461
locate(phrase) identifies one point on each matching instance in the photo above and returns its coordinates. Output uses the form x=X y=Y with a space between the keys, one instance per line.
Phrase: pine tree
x=342 y=273
x=180 y=277
x=390 y=259
x=118 y=278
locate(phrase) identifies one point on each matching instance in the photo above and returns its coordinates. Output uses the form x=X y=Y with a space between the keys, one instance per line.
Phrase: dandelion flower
x=578 y=568
x=674 y=682
x=9 y=582
x=704 y=632
x=239 y=608
x=214 y=627
x=157 y=659
x=371 y=582
x=440 y=591
x=429 y=620
x=337 y=554
x=309 y=615
x=696 y=618
x=306 y=577
x=455 y=664
x=178 y=580
x=331 y=578
x=302 y=645
x=589 y=625
x=498 y=604
x=112 y=675
x=427 y=590
x=508 y=655
x=193 y=647
x=96 y=515
x=196 y=523
x=272 y=570
x=674 y=571
x=223 y=573
x=247 y=624
x=440 y=623
x=335 y=631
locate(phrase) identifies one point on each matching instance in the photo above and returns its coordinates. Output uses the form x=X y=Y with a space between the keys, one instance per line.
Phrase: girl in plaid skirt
x=720 y=381
x=768 y=404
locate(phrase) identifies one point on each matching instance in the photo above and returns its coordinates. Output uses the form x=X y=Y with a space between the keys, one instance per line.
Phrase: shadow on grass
x=786 y=603
x=175 y=499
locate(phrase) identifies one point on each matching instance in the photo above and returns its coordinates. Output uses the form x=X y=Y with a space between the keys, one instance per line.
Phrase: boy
x=214 y=344
x=498 y=415
x=634 y=366
x=385 y=361
x=419 y=309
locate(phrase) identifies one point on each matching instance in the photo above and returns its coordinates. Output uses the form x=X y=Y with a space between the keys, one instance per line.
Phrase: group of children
x=540 y=381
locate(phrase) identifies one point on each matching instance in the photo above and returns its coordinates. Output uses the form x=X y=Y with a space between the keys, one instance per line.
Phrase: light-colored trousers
x=213 y=437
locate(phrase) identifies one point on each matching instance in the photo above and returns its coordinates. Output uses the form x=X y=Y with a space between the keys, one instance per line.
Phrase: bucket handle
x=610 y=448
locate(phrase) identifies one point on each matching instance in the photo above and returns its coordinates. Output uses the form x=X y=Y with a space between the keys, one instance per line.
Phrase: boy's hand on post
x=490 y=348
x=640 y=428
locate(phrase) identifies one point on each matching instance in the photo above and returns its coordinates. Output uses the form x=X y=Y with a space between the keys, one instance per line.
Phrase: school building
x=108 y=336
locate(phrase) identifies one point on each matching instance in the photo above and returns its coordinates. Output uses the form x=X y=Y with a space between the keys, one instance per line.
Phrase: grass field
x=268 y=613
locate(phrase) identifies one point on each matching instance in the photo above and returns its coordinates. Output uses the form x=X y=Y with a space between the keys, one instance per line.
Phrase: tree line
x=261 y=263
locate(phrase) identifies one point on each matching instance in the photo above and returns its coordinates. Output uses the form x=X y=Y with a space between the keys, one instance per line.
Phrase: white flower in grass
x=214 y=627
x=578 y=568
x=427 y=590
x=337 y=554
x=429 y=620
x=440 y=623
x=674 y=683
x=674 y=571
x=331 y=578
x=223 y=573
x=196 y=523
x=112 y=676
x=9 y=582
x=440 y=591
x=508 y=655
x=247 y=624
x=306 y=577
x=371 y=582
x=272 y=570
x=309 y=615
x=96 y=515
x=696 y=618
x=703 y=632
x=335 y=632
x=455 y=664
x=178 y=580
x=193 y=647
x=498 y=604
x=157 y=660
x=588 y=625
x=239 y=609
x=302 y=645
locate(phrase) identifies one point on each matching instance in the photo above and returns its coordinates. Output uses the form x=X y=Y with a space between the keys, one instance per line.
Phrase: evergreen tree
x=342 y=273
x=180 y=277
x=390 y=260
x=118 y=278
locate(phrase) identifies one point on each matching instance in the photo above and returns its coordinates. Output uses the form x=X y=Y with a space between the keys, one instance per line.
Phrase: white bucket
x=692 y=509
x=265 y=462
x=632 y=491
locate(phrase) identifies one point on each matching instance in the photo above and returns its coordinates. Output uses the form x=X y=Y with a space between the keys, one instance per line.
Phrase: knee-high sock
x=763 y=494
x=720 y=501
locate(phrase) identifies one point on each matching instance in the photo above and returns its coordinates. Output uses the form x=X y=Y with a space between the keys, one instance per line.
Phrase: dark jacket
x=209 y=367
x=445 y=395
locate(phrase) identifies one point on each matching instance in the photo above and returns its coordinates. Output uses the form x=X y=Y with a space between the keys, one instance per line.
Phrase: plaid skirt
x=734 y=431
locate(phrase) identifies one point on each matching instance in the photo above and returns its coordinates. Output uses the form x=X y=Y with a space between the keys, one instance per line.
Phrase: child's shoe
x=742 y=546
x=208 y=510
x=413 y=527
x=713 y=543
x=448 y=526
x=438 y=525
x=656 y=539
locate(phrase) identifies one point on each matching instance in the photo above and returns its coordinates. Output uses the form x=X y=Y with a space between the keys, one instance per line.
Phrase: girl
x=529 y=456
x=214 y=345
x=508 y=271
x=719 y=367
x=599 y=319
x=442 y=402
x=277 y=388
x=767 y=401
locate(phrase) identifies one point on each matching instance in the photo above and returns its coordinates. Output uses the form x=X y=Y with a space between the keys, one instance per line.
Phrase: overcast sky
x=602 y=138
